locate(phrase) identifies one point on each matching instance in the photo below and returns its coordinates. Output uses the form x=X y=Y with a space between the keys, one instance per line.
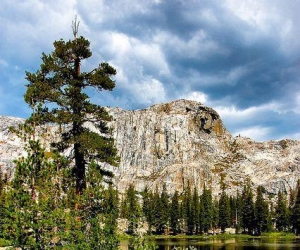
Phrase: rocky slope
x=11 y=147
x=185 y=142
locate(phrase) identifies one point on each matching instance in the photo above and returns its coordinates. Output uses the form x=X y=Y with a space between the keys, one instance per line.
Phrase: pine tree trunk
x=79 y=169
x=77 y=130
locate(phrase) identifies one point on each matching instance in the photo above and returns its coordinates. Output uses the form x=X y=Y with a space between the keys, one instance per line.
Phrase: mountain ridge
x=183 y=142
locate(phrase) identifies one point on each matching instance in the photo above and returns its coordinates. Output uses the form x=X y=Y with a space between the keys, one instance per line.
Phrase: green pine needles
x=59 y=201
x=59 y=89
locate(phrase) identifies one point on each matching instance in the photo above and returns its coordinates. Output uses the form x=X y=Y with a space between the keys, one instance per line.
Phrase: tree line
x=192 y=213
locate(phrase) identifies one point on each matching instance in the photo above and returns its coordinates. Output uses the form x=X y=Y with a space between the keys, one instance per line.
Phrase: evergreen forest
x=191 y=213
x=62 y=195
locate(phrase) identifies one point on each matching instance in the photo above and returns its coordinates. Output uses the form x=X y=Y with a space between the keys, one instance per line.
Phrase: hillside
x=180 y=142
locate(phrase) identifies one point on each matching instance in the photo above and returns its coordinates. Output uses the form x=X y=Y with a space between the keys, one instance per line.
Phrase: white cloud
x=195 y=96
x=120 y=44
x=295 y=136
x=150 y=91
x=273 y=19
x=152 y=55
x=121 y=33
x=260 y=14
x=259 y=122
x=147 y=92
x=100 y=11
x=30 y=27
x=232 y=113
x=297 y=106
x=210 y=16
x=134 y=55
x=257 y=133
x=3 y=63
x=234 y=75
x=199 y=45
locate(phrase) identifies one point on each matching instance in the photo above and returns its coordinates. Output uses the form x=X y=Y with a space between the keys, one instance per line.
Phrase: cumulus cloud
x=199 y=45
x=275 y=19
x=129 y=51
x=195 y=96
x=240 y=57
x=3 y=63
x=244 y=114
x=148 y=92
x=256 y=133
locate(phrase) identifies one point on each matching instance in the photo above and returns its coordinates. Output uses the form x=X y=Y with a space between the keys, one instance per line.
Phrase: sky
x=240 y=57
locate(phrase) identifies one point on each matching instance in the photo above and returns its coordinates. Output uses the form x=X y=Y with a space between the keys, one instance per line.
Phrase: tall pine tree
x=282 y=215
x=296 y=211
x=188 y=204
x=248 y=217
x=58 y=88
x=148 y=208
x=207 y=209
x=261 y=212
x=175 y=214
x=196 y=210
x=224 y=210
x=162 y=211
x=133 y=209
x=52 y=202
x=215 y=219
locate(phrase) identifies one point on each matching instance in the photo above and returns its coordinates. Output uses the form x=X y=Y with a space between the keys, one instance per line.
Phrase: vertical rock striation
x=182 y=142
x=186 y=142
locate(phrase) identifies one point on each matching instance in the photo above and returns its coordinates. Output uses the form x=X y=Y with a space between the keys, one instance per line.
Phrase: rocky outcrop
x=173 y=143
x=185 y=142
x=11 y=146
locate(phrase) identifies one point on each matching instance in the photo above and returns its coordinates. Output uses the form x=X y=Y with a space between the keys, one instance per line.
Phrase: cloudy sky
x=240 y=57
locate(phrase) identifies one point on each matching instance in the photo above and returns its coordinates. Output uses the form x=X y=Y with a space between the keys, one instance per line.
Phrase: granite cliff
x=183 y=142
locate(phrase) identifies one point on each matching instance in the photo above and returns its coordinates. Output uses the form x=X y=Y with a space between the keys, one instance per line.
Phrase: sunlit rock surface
x=184 y=142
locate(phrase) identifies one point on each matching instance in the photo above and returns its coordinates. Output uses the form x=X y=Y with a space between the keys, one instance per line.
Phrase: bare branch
x=75 y=26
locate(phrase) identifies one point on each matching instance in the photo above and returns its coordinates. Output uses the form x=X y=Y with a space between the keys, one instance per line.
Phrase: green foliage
x=261 y=212
x=206 y=209
x=224 y=211
x=148 y=208
x=54 y=201
x=296 y=211
x=247 y=207
x=175 y=213
x=196 y=211
x=188 y=207
x=58 y=89
x=94 y=221
x=34 y=212
x=140 y=243
x=161 y=210
x=216 y=214
x=233 y=211
x=282 y=215
x=40 y=206
x=239 y=211
x=130 y=209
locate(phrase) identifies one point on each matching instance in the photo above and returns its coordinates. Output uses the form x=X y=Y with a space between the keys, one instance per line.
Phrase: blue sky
x=240 y=57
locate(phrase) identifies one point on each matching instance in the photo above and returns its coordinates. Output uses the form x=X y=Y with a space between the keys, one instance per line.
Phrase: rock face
x=185 y=142
x=11 y=147
x=173 y=143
